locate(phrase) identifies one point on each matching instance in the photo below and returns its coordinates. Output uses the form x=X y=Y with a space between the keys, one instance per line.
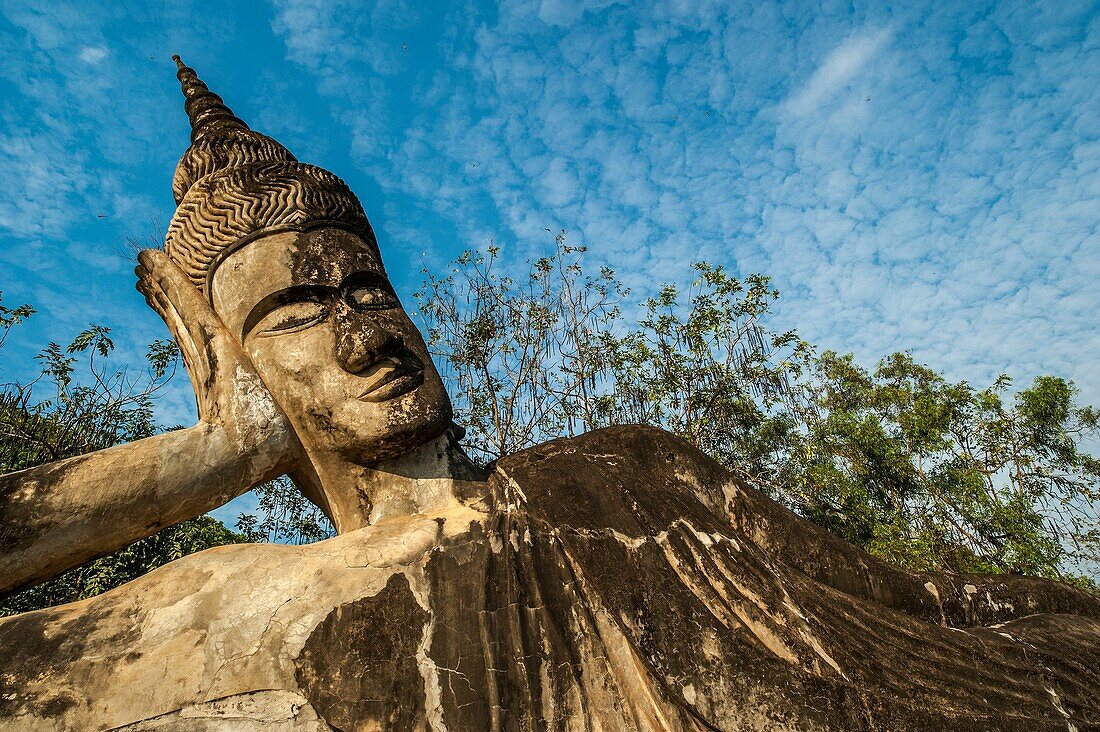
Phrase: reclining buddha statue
x=620 y=580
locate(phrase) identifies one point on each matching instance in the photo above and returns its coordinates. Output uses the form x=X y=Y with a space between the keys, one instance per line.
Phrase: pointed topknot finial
x=204 y=108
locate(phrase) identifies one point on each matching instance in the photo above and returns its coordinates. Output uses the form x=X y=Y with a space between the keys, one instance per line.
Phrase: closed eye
x=371 y=298
x=290 y=318
x=369 y=291
x=288 y=311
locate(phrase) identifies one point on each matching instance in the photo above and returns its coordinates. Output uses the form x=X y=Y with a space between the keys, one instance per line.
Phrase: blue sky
x=920 y=176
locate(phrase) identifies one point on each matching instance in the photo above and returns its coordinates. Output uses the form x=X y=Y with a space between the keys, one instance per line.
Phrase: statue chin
x=412 y=419
x=334 y=420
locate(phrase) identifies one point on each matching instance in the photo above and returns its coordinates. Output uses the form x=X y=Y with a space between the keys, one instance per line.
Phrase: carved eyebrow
x=366 y=278
x=297 y=293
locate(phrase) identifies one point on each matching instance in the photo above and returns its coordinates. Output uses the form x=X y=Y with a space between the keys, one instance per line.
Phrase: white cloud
x=93 y=54
x=80 y=125
x=954 y=213
x=837 y=71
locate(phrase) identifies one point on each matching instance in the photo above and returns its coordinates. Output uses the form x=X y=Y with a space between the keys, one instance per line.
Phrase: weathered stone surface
x=616 y=581
x=730 y=621
x=258 y=711
x=598 y=591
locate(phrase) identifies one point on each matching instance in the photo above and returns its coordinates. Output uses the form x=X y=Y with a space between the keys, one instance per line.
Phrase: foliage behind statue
x=919 y=470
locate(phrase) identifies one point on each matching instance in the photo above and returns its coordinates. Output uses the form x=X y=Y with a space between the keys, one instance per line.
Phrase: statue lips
x=392 y=376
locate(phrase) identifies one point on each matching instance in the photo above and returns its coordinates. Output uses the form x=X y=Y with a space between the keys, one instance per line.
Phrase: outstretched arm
x=57 y=516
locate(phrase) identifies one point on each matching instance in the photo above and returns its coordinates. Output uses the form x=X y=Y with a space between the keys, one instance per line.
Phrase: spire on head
x=219 y=139
x=234 y=183
x=204 y=108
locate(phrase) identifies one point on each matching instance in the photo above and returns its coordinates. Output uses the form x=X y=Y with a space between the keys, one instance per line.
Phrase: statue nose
x=362 y=341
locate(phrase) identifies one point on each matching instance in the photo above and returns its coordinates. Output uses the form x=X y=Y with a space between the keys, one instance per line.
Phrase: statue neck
x=430 y=478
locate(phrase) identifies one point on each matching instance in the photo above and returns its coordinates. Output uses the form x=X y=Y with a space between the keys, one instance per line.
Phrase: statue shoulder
x=225 y=623
x=616 y=478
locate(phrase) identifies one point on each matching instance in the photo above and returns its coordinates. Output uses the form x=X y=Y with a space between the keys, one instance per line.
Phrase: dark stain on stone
x=572 y=482
x=898 y=668
x=324 y=257
x=358 y=668
x=502 y=639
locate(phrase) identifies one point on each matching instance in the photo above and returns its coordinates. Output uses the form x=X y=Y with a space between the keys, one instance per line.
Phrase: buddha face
x=316 y=313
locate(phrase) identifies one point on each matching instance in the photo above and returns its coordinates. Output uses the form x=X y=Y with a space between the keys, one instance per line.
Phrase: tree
x=523 y=358
x=552 y=353
x=11 y=317
x=939 y=475
x=700 y=363
x=285 y=516
x=91 y=405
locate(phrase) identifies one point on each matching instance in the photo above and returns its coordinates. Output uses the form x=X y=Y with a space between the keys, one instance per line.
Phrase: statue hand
x=229 y=391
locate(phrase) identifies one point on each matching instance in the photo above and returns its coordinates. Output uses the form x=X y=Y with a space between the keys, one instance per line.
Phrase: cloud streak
x=837 y=71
